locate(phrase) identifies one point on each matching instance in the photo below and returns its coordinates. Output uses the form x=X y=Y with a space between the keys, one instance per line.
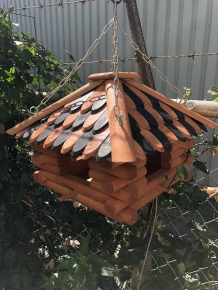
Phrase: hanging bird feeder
x=109 y=144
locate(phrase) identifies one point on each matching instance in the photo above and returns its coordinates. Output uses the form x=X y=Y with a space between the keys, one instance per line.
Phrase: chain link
x=162 y=75
x=41 y=6
x=78 y=65
x=114 y=62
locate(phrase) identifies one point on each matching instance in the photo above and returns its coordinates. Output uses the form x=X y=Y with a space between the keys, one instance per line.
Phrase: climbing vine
x=45 y=244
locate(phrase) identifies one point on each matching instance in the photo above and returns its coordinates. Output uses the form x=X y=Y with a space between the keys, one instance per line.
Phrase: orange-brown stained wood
x=49 y=167
x=129 y=102
x=71 y=140
x=136 y=188
x=139 y=118
x=171 y=163
x=188 y=144
x=182 y=129
x=57 y=105
x=20 y=133
x=173 y=104
x=139 y=163
x=52 y=160
x=120 y=194
x=90 y=101
x=78 y=184
x=90 y=121
x=170 y=112
x=114 y=205
x=169 y=134
x=128 y=215
x=94 y=144
x=113 y=184
x=37 y=132
x=51 y=138
x=148 y=197
x=122 y=147
x=109 y=165
x=70 y=119
x=146 y=101
x=39 y=176
x=140 y=154
x=152 y=139
x=48 y=151
x=155 y=114
x=111 y=75
x=125 y=171
x=173 y=154
x=193 y=124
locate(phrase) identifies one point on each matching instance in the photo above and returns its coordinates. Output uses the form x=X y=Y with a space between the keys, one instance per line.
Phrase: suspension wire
x=187 y=102
x=78 y=65
x=41 y=6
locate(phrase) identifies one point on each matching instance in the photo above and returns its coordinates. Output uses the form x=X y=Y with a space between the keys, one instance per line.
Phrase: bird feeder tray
x=84 y=153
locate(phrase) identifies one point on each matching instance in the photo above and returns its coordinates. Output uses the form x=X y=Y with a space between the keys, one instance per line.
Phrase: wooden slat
x=140 y=154
x=193 y=124
x=171 y=113
x=111 y=75
x=114 y=205
x=120 y=194
x=125 y=171
x=173 y=104
x=51 y=138
x=152 y=139
x=113 y=184
x=48 y=151
x=49 y=167
x=71 y=140
x=48 y=110
x=90 y=121
x=168 y=133
x=139 y=118
x=70 y=119
x=182 y=129
x=173 y=154
x=44 y=158
x=146 y=101
x=122 y=146
x=94 y=144
x=80 y=100
x=90 y=101
x=129 y=215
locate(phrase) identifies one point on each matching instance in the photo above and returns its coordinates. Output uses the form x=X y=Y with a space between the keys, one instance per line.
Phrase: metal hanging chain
x=114 y=62
x=187 y=102
x=78 y=65
x=40 y=6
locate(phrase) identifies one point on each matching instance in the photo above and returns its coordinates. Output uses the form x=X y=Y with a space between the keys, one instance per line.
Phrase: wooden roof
x=84 y=122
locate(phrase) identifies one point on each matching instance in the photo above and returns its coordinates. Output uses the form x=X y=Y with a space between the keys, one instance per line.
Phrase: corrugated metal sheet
x=171 y=27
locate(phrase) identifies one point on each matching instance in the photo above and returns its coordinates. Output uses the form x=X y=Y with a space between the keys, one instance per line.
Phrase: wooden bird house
x=114 y=166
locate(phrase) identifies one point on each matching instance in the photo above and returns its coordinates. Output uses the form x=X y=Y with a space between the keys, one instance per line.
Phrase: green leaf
x=70 y=56
x=98 y=261
x=26 y=178
x=4 y=116
x=215 y=100
x=181 y=172
x=2 y=43
x=181 y=268
x=9 y=257
x=26 y=55
x=12 y=94
x=1 y=57
x=201 y=166
x=158 y=226
x=90 y=282
x=213 y=91
x=84 y=250
x=165 y=176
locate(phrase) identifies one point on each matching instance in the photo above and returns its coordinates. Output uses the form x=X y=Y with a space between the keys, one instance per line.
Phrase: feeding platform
x=86 y=155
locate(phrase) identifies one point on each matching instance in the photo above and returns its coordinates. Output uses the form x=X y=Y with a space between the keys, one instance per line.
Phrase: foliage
x=214 y=92
x=45 y=244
